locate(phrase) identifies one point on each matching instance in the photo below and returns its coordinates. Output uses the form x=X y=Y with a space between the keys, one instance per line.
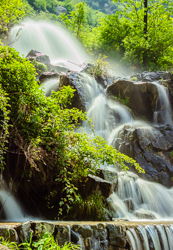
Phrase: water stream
x=149 y=199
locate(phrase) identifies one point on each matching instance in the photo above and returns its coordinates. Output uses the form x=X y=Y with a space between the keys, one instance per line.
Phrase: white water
x=49 y=39
x=50 y=85
x=165 y=112
x=11 y=207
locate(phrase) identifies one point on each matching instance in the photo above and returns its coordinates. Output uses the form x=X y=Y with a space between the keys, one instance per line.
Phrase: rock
x=85 y=230
x=150 y=148
x=108 y=175
x=60 y=10
x=117 y=236
x=131 y=206
x=72 y=79
x=63 y=234
x=97 y=185
x=144 y=214
x=141 y=97
x=38 y=56
x=47 y=75
x=74 y=237
x=9 y=234
x=153 y=137
x=165 y=179
x=24 y=231
x=57 y=68
x=147 y=76
x=42 y=227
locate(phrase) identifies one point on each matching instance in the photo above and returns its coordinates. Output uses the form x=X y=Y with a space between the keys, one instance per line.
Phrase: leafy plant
x=44 y=131
x=100 y=67
x=46 y=241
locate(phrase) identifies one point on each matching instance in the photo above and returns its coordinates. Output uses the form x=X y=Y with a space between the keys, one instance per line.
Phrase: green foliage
x=76 y=20
x=46 y=241
x=4 y=124
x=44 y=129
x=40 y=67
x=152 y=48
x=10 y=12
x=100 y=67
x=91 y=207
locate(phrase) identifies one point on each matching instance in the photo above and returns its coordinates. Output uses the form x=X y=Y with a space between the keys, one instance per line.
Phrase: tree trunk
x=145 y=29
x=145 y=17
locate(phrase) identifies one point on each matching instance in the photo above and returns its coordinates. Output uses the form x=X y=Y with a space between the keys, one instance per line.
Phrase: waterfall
x=165 y=111
x=49 y=39
x=147 y=200
x=50 y=85
x=11 y=207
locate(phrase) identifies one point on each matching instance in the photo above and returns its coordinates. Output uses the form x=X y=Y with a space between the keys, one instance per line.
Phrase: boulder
x=57 y=68
x=24 y=231
x=117 y=236
x=141 y=97
x=144 y=214
x=72 y=79
x=151 y=148
x=63 y=234
x=96 y=184
x=9 y=234
x=147 y=76
x=47 y=75
x=38 y=56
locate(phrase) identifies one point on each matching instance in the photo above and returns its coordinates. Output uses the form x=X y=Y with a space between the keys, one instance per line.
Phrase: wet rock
x=42 y=227
x=85 y=230
x=57 y=68
x=108 y=175
x=151 y=172
x=63 y=234
x=74 y=237
x=72 y=79
x=9 y=234
x=24 y=231
x=117 y=236
x=152 y=137
x=100 y=237
x=98 y=185
x=152 y=76
x=131 y=206
x=38 y=56
x=165 y=179
x=141 y=97
x=47 y=75
x=144 y=214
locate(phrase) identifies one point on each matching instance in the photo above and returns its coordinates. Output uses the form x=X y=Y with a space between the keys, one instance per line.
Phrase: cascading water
x=108 y=117
x=165 y=113
x=50 y=39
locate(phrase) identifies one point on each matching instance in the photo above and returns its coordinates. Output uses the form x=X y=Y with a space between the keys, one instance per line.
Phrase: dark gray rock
x=47 y=75
x=97 y=185
x=144 y=214
x=63 y=234
x=141 y=97
x=72 y=79
x=57 y=68
x=85 y=230
x=38 y=56
x=117 y=236
x=24 y=231
x=9 y=234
